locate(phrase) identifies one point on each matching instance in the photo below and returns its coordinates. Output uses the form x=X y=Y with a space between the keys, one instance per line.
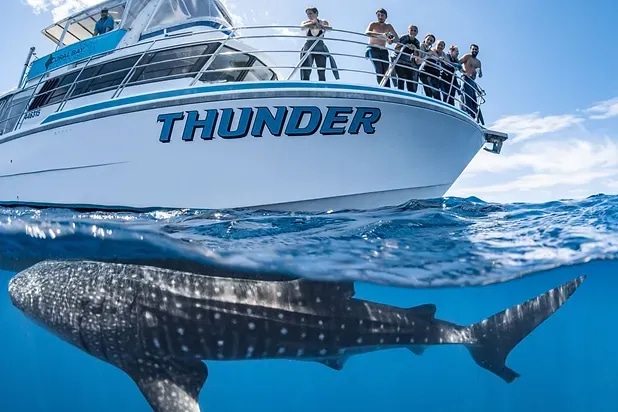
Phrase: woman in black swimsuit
x=315 y=29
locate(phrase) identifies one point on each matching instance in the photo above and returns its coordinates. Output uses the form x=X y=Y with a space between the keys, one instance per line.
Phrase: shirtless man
x=471 y=64
x=380 y=33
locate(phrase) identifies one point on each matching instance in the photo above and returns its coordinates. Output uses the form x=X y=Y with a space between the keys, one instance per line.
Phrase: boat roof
x=82 y=22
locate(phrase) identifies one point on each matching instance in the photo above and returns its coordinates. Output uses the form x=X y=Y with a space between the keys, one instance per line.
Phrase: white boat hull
x=113 y=157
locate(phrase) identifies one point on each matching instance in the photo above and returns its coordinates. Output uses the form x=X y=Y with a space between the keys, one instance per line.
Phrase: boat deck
x=198 y=56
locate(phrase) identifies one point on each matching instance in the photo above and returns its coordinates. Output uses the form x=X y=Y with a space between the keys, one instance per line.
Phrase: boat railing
x=225 y=58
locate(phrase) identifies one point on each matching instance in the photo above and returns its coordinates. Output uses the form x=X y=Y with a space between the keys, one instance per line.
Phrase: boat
x=178 y=108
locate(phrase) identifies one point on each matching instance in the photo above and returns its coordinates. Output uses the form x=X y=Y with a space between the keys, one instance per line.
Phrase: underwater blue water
x=469 y=257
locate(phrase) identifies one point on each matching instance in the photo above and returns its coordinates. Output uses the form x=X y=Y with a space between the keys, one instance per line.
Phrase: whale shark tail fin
x=495 y=337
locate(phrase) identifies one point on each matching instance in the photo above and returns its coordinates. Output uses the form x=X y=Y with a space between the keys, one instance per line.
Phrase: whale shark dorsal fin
x=426 y=311
x=326 y=289
x=172 y=386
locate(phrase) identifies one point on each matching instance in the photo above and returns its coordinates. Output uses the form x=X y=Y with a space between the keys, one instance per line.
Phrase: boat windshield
x=80 y=26
x=167 y=13
x=171 y=13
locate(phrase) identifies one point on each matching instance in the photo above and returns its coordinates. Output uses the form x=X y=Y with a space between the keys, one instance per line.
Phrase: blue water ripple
x=428 y=243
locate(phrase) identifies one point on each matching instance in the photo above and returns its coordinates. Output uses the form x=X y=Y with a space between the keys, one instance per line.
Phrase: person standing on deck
x=315 y=29
x=471 y=64
x=406 y=68
x=380 y=33
x=449 y=83
x=105 y=23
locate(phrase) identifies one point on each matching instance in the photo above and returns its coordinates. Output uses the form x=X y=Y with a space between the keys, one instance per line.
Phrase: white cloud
x=604 y=109
x=243 y=19
x=551 y=156
x=542 y=170
x=565 y=159
x=525 y=126
x=60 y=8
x=536 y=181
x=522 y=127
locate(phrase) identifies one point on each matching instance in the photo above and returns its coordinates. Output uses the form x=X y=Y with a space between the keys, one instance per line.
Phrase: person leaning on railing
x=424 y=50
x=104 y=24
x=450 y=84
x=315 y=48
x=431 y=70
x=380 y=33
x=471 y=64
x=407 y=68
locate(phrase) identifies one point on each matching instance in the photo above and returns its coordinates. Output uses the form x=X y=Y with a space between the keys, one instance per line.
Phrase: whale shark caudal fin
x=171 y=385
x=495 y=337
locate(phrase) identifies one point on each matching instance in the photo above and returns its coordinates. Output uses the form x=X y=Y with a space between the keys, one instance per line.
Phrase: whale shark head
x=34 y=294
x=52 y=296
x=92 y=306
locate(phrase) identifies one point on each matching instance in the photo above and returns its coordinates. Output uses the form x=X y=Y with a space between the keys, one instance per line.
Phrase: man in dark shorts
x=471 y=66
x=380 y=33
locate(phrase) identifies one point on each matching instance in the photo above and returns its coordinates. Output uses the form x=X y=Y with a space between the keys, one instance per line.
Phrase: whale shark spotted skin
x=159 y=325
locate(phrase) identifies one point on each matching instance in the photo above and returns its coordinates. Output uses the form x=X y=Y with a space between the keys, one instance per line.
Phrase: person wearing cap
x=380 y=33
x=104 y=24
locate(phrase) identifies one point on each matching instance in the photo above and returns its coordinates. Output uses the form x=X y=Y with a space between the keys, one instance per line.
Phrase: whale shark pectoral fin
x=172 y=385
x=335 y=363
x=426 y=311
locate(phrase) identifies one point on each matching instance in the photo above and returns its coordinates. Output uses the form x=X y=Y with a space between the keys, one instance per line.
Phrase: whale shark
x=161 y=326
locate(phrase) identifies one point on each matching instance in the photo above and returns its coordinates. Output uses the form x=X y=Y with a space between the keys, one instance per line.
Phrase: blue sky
x=549 y=73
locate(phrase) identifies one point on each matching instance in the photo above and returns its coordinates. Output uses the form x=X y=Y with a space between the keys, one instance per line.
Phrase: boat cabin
x=155 y=45
x=80 y=26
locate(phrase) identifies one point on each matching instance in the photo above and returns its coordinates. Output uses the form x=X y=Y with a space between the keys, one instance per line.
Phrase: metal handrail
x=144 y=48
x=212 y=58
x=130 y=73
x=72 y=87
x=303 y=59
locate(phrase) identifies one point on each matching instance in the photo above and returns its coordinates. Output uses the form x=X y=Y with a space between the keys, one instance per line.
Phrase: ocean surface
x=469 y=257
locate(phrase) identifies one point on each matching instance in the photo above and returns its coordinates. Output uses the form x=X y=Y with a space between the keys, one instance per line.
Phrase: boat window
x=13 y=110
x=2 y=112
x=53 y=91
x=135 y=8
x=175 y=63
x=110 y=75
x=225 y=62
x=228 y=60
x=84 y=80
x=259 y=72
x=175 y=12
x=224 y=13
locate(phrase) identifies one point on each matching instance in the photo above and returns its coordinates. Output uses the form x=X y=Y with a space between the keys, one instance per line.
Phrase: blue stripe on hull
x=241 y=86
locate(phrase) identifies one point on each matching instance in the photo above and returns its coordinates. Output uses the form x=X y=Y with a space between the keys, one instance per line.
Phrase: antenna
x=26 y=65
